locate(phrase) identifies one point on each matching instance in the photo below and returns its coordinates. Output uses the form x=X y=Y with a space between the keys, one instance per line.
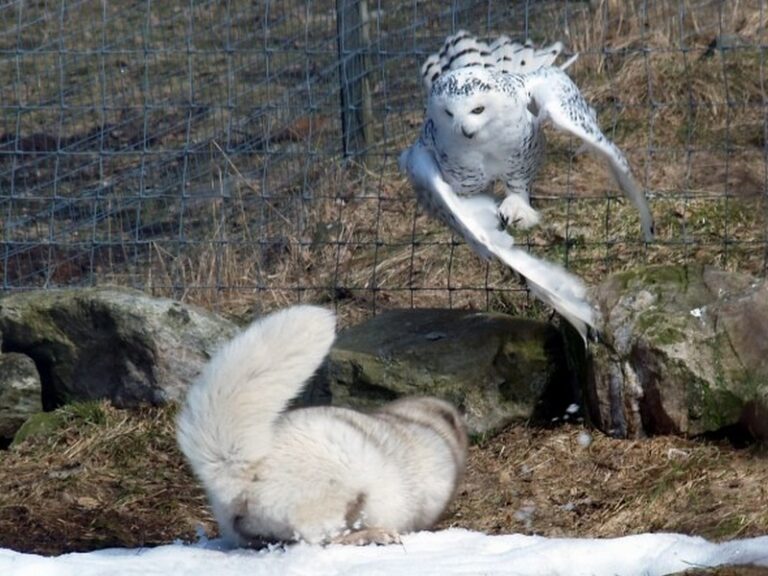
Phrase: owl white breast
x=480 y=128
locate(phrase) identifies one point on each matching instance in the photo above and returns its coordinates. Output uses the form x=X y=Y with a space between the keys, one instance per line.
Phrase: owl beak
x=468 y=135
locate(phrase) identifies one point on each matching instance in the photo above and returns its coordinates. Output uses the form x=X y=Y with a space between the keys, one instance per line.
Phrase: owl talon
x=516 y=211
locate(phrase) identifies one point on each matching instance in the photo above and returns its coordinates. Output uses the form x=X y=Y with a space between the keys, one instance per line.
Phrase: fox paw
x=379 y=536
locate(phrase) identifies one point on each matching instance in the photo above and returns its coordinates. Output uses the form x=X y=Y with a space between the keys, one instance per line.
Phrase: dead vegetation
x=568 y=481
x=99 y=477
x=104 y=477
x=681 y=88
x=679 y=85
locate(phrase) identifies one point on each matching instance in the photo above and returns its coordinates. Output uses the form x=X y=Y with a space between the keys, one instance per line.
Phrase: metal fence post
x=353 y=25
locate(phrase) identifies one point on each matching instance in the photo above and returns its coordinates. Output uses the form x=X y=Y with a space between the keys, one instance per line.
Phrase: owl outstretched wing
x=475 y=219
x=553 y=95
x=463 y=50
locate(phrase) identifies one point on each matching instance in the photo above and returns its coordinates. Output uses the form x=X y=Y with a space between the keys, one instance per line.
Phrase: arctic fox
x=320 y=474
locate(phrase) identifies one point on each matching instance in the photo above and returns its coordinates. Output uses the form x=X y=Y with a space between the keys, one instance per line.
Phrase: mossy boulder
x=495 y=368
x=684 y=351
x=110 y=343
x=47 y=424
x=20 y=392
x=39 y=425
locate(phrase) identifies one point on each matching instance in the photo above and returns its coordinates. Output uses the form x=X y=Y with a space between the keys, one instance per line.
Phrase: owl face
x=467 y=104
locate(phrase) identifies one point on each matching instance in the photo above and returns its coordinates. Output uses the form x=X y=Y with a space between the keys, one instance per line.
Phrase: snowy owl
x=485 y=107
x=485 y=110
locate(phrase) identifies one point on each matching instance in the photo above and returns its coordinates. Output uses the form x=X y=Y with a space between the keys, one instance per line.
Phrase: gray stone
x=685 y=352
x=20 y=392
x=495 y=368
x=112 y=343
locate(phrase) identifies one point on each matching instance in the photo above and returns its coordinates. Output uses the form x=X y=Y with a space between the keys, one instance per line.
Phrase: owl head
x=472 y=103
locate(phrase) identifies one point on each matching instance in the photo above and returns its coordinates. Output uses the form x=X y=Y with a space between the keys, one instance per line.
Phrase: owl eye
x=478 y=110
x=450 y=114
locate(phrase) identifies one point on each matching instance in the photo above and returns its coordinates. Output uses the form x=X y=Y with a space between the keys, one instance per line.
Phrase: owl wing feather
x=475 y=219
x=554 y=96
x=463 y=50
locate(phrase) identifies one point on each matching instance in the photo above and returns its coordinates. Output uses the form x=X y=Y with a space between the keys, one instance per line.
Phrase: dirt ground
x=102 y=477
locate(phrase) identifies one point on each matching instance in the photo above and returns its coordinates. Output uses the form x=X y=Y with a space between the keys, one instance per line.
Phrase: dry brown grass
x=369 y=247
x=728 y=571
x=678 y=84
x=664 y=24
x=692 y=123
x=549 y=482
x=106 y=477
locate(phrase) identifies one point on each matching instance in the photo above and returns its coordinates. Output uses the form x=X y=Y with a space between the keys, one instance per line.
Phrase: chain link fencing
x=242 y=154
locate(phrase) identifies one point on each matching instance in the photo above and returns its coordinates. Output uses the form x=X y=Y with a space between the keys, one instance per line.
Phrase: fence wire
x=242 y=154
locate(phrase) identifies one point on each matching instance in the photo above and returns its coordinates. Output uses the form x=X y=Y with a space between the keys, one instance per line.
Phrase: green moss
x=356 y=380
x=524 y=361
x=662 y=328
x=721 y=405
x=85 y=412
x=34 y=323
x=46 y=424
x=40 y=425
x=647 y=320
x=666 y=282
x=527 y=350
x=721 y=408
x=669 y=335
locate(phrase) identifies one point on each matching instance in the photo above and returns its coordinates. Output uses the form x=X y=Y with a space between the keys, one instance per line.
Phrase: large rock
x=496 y=368
x=112 y=343
x=20 y=392
x=685 y=352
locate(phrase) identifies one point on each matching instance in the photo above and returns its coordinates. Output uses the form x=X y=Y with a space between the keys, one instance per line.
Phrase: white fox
x=320 y=474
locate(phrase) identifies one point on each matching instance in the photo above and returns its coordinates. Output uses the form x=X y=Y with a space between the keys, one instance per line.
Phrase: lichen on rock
x=684 y=352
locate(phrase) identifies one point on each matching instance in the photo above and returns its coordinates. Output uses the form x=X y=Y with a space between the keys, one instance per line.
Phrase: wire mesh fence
x=243 y=154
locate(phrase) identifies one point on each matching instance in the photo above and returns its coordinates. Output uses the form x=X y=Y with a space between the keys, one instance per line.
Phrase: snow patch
x=447 y=553
x=697 y=313
x=584 y=439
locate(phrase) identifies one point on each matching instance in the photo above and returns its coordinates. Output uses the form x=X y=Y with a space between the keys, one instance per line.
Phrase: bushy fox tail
x=226 y=423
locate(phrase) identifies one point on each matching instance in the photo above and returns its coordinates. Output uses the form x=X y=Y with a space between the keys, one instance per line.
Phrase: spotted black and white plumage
x=485 y=111
x=484 y=124
x=462 y=50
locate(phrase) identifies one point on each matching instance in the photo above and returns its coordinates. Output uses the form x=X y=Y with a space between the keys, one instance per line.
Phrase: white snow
x=445 y=553
x=584 y=439
x=697 y=312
